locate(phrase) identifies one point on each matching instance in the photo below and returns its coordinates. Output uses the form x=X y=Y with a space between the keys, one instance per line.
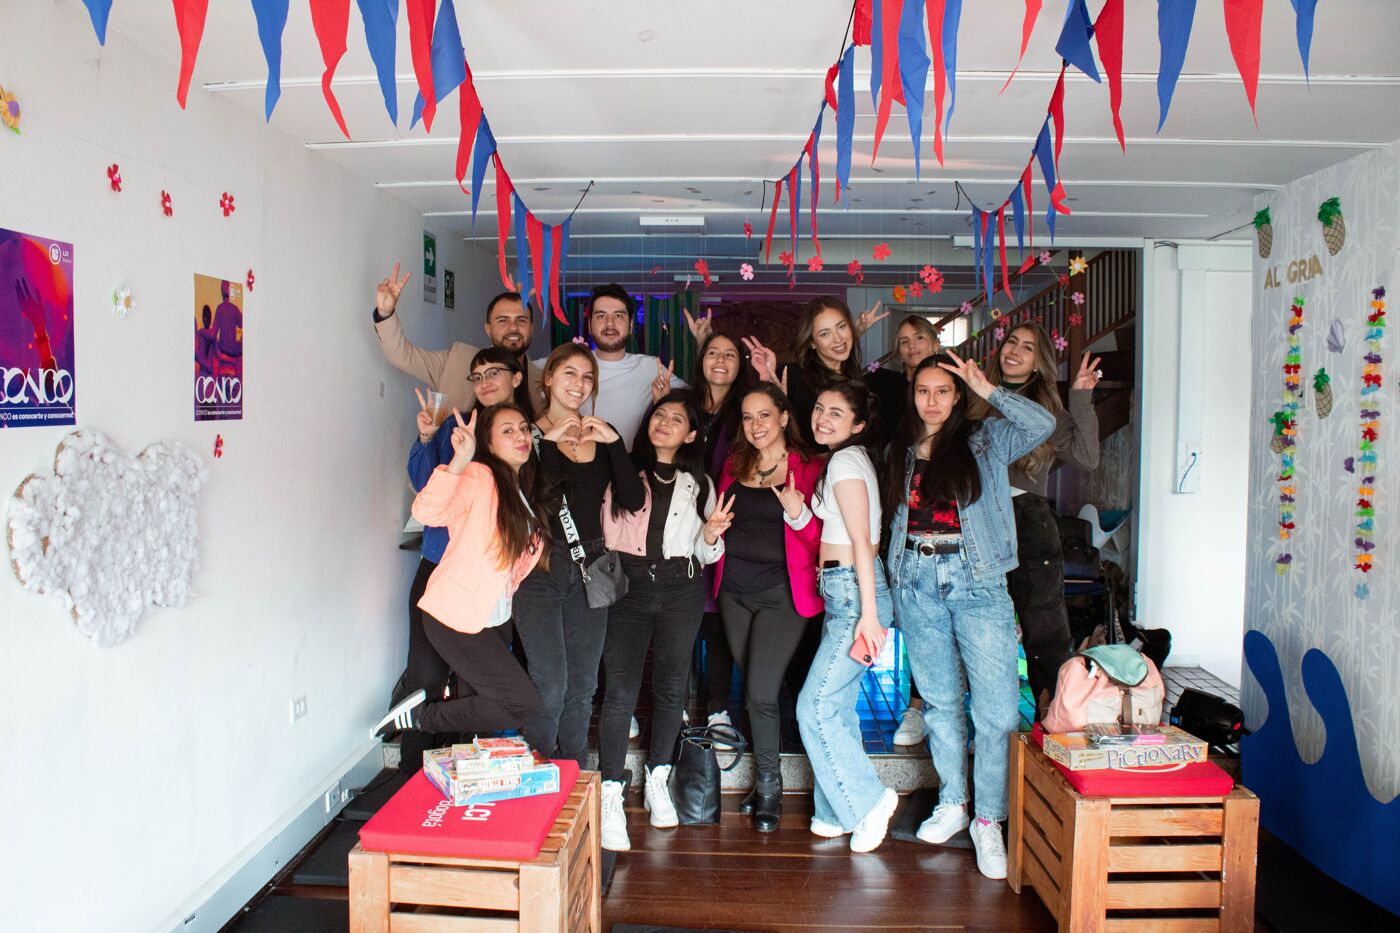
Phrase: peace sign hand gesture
x=662 y=383
x=463 y=442
x=700 y=328
x=869 y=318
x=426 y=426
x=969 y=372
x=765 y=361
x=386 y=295
x=720 y=520
x=1089 y=373
x=790 y=496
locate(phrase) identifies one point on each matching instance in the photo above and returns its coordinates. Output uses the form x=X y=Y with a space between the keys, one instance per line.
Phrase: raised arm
x=1076 y=436
x=1026 y=424
x=424 y=365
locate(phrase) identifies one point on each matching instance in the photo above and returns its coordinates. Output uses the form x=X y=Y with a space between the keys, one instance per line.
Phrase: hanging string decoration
x=1365 y=541
x=1286 y=429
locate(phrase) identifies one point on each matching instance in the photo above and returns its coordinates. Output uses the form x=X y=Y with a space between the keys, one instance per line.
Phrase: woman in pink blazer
x=492 y=498
x=766 y=582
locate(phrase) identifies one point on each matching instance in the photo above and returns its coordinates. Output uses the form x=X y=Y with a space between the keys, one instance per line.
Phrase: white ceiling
x=686 y=107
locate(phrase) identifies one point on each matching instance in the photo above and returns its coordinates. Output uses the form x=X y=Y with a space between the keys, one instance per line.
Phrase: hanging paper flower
x=814 y=264
x=786 y=258
x=854 y=270
x=703 y=268
x=226 y=202
x=9 y=110
x=114 y=176
x=166 y=205
x=1078 y=265
x=996 y=314
x=1077 y=298
x=881 y=252
x=580 y=341
x=748 y=230
x=965 y=308
x=1064 y=280
x=1060 y=342
x=899 y=294
x=121 y=303
x=746 y=272
x=872 y=366
x=1075 y=319
x=218 y=446
x=916 y=289
x=932 y=278
x=999 y=334
x=250 y=280
x=1045 y=257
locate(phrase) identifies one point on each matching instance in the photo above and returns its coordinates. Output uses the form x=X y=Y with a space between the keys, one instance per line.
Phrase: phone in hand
x=861 y=652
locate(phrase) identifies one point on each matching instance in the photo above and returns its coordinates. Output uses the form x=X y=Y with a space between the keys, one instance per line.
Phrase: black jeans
x=1037 y=588
x=764 y=630
x=563 y=638
x=493 y=690
x=662 y=608
x=426 y=671
x=718 y=664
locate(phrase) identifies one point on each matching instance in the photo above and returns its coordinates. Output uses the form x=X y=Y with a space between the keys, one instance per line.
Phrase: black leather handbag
x=695 y=777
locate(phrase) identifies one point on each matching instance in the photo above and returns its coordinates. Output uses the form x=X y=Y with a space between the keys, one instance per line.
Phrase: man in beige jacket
x=508 y=325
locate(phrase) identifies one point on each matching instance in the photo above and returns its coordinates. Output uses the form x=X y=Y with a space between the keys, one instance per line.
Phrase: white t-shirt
x=624 y=392
x=847 y=463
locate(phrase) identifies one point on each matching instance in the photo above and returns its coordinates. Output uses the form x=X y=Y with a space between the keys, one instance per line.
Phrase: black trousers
x=426 y=671
x=1037 y=588
x=662 y=609
x=717 y=663
x=764 y=630
x=493 y=690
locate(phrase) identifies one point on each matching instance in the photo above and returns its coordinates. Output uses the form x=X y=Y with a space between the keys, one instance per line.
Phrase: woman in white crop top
x=849 y=797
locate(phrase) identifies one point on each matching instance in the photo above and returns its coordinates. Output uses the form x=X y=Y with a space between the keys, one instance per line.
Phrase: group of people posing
x=759 y=505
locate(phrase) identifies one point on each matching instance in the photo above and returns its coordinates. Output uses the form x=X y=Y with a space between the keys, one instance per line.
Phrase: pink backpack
x=1106 y=684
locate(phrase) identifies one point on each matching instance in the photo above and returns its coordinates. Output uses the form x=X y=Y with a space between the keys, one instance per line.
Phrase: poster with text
x=37 y=375
x=218 y=349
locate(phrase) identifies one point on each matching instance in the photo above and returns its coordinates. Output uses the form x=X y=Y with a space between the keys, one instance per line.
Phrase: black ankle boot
x=746 y=805
x=768 y=801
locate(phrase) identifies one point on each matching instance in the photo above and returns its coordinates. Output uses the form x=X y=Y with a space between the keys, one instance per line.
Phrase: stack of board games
x=1119 y=747
x=487 y=770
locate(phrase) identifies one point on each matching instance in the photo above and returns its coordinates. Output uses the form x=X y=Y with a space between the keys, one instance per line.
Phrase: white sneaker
x=719 y=719
x=871 y=829
x=911 y=728
x=947 y=821
x=614 y=819
x=657 y=798
x=634 y=728
x=826 y=830
x=991 y=850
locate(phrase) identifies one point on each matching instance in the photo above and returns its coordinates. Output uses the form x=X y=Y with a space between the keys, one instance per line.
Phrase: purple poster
x=218 y=349
x=36 y=332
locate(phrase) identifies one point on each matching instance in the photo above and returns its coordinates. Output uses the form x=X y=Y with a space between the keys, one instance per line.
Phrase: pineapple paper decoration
x=1264 y=231
x=1322 y=392
x=1334 y=228
x=1276 y=442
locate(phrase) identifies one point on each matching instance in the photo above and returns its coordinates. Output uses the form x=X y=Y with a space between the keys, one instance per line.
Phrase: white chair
x=1113 y=543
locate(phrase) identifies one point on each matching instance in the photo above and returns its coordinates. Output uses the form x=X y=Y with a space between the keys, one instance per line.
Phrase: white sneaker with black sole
x=719 y=719
x=990 y=848
x=911 y=729
x=871 y=829
x=947 y=821
x=614 y=819
x=657 y=798
x=401 y=718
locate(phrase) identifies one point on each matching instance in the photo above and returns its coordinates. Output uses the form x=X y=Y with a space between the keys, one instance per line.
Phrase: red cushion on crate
x=418 y=821
x=1199 y=779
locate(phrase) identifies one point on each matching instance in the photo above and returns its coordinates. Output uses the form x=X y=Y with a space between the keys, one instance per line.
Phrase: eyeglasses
x=494 y=373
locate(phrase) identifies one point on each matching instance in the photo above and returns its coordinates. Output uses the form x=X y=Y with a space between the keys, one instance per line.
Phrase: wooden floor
x=730 y=877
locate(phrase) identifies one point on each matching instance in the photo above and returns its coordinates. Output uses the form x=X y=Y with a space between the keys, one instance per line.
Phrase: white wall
x=1191 y=547
x=137 y=779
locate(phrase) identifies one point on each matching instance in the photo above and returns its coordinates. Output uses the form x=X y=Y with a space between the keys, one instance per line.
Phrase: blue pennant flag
x=976 y=246
x=1045 y=153
x=1174 y=19
x=546 y=251
x=524 y=273
x=913 y=71
x=877 y=53
x=1018 y=219
x=989 y=258
x=483 y=149
x=845 y=120
x=448 y=58
x=272 y=19
x=1073 y=44
x=381 y=30
x=951 y=14
x=1304 y=10
x=98 y=11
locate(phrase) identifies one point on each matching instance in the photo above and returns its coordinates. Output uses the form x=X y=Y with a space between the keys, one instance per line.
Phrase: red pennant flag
x=420 y=43
x=1108 y=34
x=330 y=19
x=889 y=67
x=934 y=11
x=792 y=208
x=556 y=242
x=504 y=189
x=534 y=232
x=772 y=221
x=831 y=74
x=1026 y=189
x=189 y=22
x=1243 y=19
x=1027 y=24
x=1001 y=240
x=860 y=26
x=469 y=106
x=1057 y=114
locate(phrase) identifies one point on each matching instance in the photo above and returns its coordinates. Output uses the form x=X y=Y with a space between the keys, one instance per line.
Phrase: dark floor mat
x=606 y=866
x=1292 y=896
x=376 y=794
x=329 y=862
x=277 y=914
x=913 y=809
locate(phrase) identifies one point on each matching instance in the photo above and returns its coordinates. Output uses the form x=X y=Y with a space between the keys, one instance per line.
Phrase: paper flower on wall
x=1078 y=299
x=218 y=446
x=746 y=272
x=814 y=264
x=122 y=304
x=785 y=258
x=114 y=176
x=899 y=294
x=166 y=205
x=932 y=278
x=1064 y=280
x=748 y=230
x=965 y=308
x=250 y=280
x=1045 y=257
x=702 y=268
x=854 y=270
x=110 y=534
x=996 y=314
x=1060 y=342
x=226 y=203
x=881 y=252
x=9 y=110
x=1078 y=265
x=872 y=366
x=916 y=289
x=1075 y=319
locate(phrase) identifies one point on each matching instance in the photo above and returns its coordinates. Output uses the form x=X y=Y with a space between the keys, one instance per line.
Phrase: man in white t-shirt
x=627 y=382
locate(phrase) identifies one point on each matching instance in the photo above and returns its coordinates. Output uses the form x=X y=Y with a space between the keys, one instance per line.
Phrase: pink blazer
x=464 y=590
x=803 y=543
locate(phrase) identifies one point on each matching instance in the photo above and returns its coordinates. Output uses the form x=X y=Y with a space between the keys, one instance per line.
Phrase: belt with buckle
x=930 y=546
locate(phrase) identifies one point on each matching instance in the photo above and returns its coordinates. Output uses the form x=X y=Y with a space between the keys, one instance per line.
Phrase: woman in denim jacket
x=952 y=540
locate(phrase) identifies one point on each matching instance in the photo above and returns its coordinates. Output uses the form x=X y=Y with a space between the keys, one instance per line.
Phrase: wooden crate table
x=1160 y=864
x=557 y=891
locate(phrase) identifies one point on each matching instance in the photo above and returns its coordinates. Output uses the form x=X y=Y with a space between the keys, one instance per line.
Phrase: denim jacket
x=988 y=525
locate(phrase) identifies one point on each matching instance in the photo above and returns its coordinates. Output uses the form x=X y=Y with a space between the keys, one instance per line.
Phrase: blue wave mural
x=1323 y=809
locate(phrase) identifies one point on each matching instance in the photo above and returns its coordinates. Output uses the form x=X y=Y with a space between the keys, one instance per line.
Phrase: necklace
x=664 y=482
x=764 y=474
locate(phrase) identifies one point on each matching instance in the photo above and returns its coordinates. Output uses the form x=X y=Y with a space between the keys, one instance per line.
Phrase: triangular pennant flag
x=545 y=278
x=469 y=118
x=889 y=19
x=952 y=13
x=420 y=44
x=1108 y=35
x=561 y=253
x=1045 y=154
x=861 y=23
x=482 y=151
x=189 y=22
x=1028 y=191
x=1057 y=113
x=1001 y=247
x=830 y=89
x=988 y=257
x=331 y=19
x=913 y=71
x=772 y=221
x=877 y=52
x=98 y=11
x=504 y=190
x=1303 y=10
x=1174 y=19
x=534 y=232
x=845 y=120
x=794 y=205
x=448 y=58
x=934 y=11
x=977 y=247
x=522 y=247
x=1027 y=24
x=814 y=167
x=1018 y=219
x=272 y=19
x=1243 y=20
x=1073 y=44
x=381 y=18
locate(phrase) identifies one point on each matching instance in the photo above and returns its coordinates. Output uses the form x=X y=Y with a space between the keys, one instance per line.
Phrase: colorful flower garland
x=1288 y=425
x=1370 y=431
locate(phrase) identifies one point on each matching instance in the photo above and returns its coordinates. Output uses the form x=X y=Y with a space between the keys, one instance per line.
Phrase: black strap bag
x=695 y=777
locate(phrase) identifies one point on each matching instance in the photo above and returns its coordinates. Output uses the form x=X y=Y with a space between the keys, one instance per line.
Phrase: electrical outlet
x=298 y=707
x=332 y=798
x=346 y=794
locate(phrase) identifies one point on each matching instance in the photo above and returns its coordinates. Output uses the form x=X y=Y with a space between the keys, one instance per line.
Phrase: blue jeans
x=846 y=787
x=952 y=621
